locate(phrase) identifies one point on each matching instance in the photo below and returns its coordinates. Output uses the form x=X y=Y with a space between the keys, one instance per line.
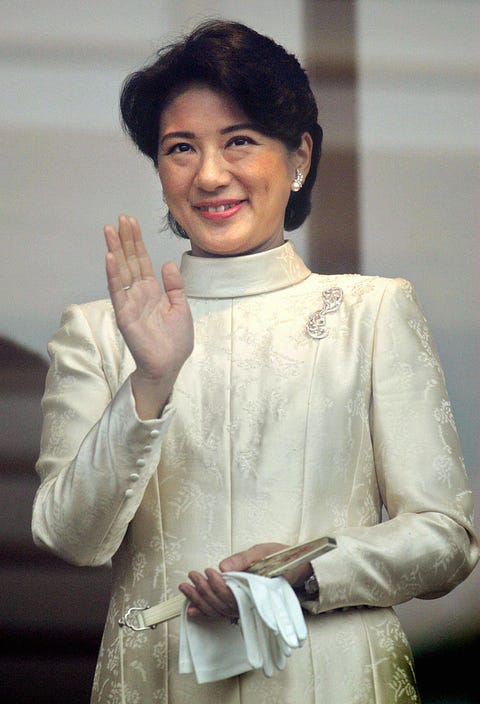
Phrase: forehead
x=199 y=105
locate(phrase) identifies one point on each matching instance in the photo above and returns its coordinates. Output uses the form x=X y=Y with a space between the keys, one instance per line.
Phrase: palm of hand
x=155 y=323
x=159 y=333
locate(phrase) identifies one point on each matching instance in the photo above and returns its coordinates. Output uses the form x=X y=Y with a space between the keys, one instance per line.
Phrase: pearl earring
x=297 y=183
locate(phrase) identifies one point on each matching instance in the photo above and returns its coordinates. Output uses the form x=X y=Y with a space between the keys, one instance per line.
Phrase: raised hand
x=155 y=322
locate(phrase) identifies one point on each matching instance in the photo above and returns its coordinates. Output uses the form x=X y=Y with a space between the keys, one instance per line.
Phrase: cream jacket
x=271 y=434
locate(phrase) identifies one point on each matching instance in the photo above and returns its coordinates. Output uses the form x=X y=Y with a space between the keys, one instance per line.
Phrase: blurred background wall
x=397 y=83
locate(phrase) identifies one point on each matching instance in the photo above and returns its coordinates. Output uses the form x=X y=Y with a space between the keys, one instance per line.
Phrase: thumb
x=235 y=563
x=241 y=560
x=173 y=284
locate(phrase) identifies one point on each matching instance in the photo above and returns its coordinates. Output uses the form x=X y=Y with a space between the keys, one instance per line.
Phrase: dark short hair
x=265 y=80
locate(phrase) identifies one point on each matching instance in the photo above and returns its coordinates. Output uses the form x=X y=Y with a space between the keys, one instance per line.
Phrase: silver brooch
x=316 y=323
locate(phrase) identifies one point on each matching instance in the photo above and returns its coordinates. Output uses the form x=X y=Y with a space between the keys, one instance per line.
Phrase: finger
x=241 y=560
x=115 y=247
x=197 y=604
x=113 y=275
x=173 y=284
x=235 y=563
x=193 y=611
x=143 y=258
x=208 y=594
x=113 y=243
x=126 y=234
x=222 y=591
x=206 y=599
x=112 y=265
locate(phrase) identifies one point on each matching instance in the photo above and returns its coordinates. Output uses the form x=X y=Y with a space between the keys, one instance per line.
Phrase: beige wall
x=66 y=166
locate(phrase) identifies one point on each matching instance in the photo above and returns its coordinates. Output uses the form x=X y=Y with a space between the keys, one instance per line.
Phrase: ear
x=302 y=156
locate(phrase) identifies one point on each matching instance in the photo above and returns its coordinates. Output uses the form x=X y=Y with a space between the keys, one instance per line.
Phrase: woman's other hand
x=155 y=322
x=242 y=560
x=210 y=596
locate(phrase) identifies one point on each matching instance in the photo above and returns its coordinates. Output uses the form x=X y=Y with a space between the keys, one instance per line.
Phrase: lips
x=219 y=210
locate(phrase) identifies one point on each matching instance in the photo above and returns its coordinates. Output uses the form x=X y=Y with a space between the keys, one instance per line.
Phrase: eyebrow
x=239 y=126
x=225 y=130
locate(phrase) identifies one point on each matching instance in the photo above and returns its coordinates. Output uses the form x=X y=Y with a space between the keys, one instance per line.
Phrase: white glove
x=277 y=606
x=271 y=625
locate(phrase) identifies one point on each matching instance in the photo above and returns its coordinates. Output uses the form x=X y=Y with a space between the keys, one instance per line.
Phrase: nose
x=212 y=172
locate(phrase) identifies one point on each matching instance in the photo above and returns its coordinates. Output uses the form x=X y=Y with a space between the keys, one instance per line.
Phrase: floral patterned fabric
x=270 y=434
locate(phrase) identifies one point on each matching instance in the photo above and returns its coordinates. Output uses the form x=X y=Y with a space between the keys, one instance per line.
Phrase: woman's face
x=226 y=183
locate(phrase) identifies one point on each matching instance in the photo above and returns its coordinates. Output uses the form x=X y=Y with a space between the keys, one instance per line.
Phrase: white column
x=418 y=108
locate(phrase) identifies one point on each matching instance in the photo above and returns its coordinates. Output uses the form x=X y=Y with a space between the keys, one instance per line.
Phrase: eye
x=179 y=148
x=240 y=141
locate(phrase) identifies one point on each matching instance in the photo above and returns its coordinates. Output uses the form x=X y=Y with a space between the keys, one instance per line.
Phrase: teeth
x=217 y=209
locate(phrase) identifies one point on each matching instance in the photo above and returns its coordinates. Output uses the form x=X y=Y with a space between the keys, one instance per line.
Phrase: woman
x=248 y=402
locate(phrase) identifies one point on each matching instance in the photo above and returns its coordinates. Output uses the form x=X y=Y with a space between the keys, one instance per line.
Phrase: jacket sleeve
x=427 y=545
x=96 y=455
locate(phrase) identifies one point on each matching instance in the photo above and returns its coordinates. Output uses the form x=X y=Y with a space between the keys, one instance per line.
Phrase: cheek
x=277 y=187
x=170 y=180
x=273 y=176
